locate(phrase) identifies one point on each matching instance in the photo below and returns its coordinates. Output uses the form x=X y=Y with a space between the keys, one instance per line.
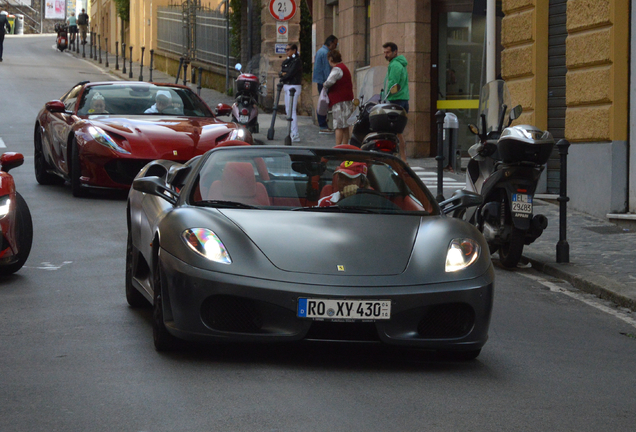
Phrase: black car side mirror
x=155 y=186
x=462 y=199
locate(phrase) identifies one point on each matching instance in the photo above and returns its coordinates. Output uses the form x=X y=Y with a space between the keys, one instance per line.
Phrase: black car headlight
x=5 y=206
x=462 y=252
x=101 y=137
x=207 y=244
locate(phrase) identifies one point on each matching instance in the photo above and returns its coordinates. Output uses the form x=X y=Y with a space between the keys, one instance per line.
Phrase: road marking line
x=556 y=288
x=2 y=144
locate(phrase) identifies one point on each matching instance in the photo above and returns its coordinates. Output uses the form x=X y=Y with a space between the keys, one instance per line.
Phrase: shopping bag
x=323 y=103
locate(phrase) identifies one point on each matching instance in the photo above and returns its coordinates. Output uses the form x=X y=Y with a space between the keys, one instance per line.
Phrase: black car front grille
x=232 y=314
x=124 y=170
x=447 y=321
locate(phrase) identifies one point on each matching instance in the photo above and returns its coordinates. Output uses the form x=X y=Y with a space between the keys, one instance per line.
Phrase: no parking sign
x=282 y=32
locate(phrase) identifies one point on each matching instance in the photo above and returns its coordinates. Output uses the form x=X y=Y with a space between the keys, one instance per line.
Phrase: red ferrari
x=99 y=135
x=16 y=227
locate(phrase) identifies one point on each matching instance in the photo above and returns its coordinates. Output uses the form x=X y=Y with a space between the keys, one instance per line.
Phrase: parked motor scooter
x=376 y=122
x=62 y=36
x=504 y=169
x=249 y=84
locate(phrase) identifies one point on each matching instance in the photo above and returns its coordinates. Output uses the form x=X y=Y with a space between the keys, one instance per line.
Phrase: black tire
x=163 y=340
x=135 y=298
x=510 y=252
x=41 y=166
x=23 y=234
x=76 y=172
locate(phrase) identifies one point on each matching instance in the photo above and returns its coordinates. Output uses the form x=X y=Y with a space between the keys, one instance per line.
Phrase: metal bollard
x=83 y=50
x=179 y=70
x=193 y=75
x=99 y=43
x=199 y=82
x=130 y=74
x=90 y=46
x=185 y=73
x=106 y=51
x=152 y=58
x=563 y=247
x=123 y=57
x=94 y=40
x=141 y=67
x=439 y=119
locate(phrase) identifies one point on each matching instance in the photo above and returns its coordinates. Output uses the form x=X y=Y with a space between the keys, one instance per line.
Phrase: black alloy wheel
x=163 y=340
x=41 y=166
x=23 y=234
x=134 y=298
x=76 y=172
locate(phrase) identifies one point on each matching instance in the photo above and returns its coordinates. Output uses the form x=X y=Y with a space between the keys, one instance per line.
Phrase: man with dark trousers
x=4 y=23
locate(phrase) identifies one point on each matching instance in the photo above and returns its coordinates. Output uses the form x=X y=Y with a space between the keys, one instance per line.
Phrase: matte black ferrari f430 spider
x=272 y=244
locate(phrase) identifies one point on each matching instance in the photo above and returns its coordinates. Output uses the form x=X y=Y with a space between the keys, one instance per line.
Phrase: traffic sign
x=282 y=10
x=282 y=32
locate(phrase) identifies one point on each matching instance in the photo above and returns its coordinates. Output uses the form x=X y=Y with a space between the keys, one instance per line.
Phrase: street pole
x=439 y=119
x=491 y=40
x=563 y=247
x=227 y=47
x=250 y=5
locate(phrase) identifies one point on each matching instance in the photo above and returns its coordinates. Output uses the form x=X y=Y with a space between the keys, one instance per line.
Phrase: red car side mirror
x=55 y=106
x=223 y=109
x=11 y=160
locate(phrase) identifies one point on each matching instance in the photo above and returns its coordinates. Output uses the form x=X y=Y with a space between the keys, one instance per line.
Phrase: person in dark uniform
x=4 y=24
x=291 y=75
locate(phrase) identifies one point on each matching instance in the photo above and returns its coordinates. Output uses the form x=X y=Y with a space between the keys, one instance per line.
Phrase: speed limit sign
x=282 y=10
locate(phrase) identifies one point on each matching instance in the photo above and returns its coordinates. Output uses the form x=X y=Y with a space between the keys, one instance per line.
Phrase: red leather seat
x=239 y=184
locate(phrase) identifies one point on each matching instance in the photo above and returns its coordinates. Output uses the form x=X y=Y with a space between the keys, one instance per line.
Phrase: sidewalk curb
x=595 y=284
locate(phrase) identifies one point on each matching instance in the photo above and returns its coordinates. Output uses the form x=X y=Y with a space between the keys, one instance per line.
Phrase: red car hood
x=155 y=137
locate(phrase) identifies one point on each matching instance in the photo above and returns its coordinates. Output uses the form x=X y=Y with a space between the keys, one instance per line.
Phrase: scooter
x=504 y=169
x=249 y=85
x=62 y=36
x=377 y=123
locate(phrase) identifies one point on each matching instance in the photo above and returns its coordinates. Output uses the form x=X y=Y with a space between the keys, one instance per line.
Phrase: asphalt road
x=74 y=357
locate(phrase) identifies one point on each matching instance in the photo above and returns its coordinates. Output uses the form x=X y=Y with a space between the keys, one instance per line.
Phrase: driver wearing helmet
x=348 y=178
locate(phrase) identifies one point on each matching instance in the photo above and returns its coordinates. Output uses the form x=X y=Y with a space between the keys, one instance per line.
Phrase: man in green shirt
x=397 y=74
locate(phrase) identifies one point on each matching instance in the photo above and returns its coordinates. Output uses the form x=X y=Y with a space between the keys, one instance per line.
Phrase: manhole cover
x=609 y=229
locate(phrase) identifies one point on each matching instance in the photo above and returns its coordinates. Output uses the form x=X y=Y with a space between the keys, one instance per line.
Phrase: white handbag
x=323 y=103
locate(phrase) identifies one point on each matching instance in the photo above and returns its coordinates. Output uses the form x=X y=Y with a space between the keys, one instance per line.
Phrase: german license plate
x=344 y=309
x=522 y=203
x=244 y=119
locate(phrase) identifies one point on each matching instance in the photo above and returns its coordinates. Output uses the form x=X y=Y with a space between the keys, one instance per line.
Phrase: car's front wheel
x=76 y=172
x=23 y=234
x=163 y=340
x=135 y=298
x=41 y=166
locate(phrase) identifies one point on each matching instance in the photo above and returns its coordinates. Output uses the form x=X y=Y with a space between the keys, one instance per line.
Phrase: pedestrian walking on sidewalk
x=82 y=22
x=72 y=28
x=340 y=88
x=291 y=76
x=322 y=69
x=4 y=24
x=397 y=74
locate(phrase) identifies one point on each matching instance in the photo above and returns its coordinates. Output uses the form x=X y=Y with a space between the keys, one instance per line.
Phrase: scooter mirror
x=473 y=129
x=238 y=67
x=515 y=113
x=356 y=102
x=223 y=109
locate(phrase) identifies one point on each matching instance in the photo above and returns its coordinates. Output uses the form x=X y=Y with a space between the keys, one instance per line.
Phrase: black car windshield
x=141 y=99
x=316 y=180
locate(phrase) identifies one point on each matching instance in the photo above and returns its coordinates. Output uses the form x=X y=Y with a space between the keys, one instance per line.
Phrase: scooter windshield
x=494 y=98
x=370 y=89
x=372 y=83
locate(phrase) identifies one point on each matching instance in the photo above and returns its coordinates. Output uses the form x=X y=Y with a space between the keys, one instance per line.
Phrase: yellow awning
x=458 y=104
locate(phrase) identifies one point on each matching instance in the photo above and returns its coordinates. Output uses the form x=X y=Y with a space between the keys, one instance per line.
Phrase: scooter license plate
x=521 y=205
x=244 y=119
